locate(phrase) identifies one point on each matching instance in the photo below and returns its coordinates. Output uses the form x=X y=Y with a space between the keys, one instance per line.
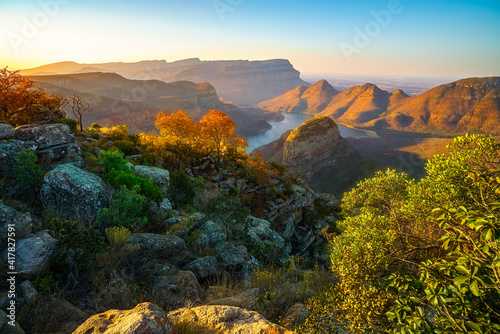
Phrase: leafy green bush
x=27 y=172
x=118 y=174
x=94 y=126
x=128 y=209
x=182 y=190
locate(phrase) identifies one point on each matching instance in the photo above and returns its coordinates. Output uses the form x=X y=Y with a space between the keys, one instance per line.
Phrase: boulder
x=163 y=208
x=75 y=193
x=60 y=152
x=204 y=267
x=266 y=241
x=33 y=254
x=21 y=221
x=9 y=149
x=30 y=294
x=164 y=246
x=210 y=234
x=160 y=177
x=228 y=320
x=246 y=299
x=68 y=316
x=7 y=131
x=6 y=327
x=145 y=318
x=296 y=315
x=45 y=135
x=237 y=259
x=178 y=289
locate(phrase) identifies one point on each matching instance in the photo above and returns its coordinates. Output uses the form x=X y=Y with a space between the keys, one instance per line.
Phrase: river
x=292 y=121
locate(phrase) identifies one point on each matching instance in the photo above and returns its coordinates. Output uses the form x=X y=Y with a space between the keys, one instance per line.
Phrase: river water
x=292 y=121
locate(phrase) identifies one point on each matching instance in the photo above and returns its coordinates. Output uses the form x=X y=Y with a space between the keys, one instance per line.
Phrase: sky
x=393 y=37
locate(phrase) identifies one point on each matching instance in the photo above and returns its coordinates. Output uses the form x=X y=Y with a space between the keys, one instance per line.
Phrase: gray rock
x=162 y=209
x=33 y=255
x=260 y=229
x=22 y=224
x=7 y=131
x=237 y=259
x=75 y=193
x=160 y=177
x=160 y=244
x=45 y=135
x=29 y=292
x=6 y=328
x=204 y=267
x=246 y=299
x=211 y=234
x=178 y=289
x=59 y=152
x=138 y=158
x=9 y=149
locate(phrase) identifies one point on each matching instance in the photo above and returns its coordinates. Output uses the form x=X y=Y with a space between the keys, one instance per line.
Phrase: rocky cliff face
x=137 y=102
x=323 y=158
x=241 y=81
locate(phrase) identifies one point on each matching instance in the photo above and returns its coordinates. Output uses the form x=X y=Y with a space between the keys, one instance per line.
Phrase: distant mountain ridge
x=137 y=102
x=241 y=81
x=468 y=105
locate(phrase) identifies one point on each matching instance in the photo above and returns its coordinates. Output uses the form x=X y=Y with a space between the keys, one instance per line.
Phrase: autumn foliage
x=21 y=103
x=182 y=136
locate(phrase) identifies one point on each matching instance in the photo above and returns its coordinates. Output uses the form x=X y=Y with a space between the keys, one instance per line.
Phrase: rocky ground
x=175 y=261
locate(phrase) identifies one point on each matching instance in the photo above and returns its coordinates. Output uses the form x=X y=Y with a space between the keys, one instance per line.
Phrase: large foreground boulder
x=32 y=255
x=145 y=318
x=228 y=320
x=75 y=193
x=45 y=135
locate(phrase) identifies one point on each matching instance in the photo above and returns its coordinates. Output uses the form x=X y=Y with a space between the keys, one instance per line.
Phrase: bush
x=182 y=190
x=117 y=236
x=128 y=209
x=27 y=172
x=94 y=126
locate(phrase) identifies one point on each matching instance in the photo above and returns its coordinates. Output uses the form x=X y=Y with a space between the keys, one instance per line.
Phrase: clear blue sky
x=428 y=38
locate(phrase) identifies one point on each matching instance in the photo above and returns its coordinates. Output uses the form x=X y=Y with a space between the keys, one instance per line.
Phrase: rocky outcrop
x=203 y=267
x=228 y=320
x=7 y=131
x=20 y=224
x=145 y=318
x=75 y=193
x=159 y=176
x=178 y=288
x=33 y=254
x=162 y=245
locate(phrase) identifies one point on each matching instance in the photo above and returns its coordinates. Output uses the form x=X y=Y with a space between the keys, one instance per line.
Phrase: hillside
x=136 y=102
x=241 y=81
x=469 y=105
x=311 y=99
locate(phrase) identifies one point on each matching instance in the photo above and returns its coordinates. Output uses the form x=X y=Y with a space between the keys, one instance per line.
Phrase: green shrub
x=128 y=209
x=118 y=174
x=94 y=126
x=182 y=190
x=27 y=172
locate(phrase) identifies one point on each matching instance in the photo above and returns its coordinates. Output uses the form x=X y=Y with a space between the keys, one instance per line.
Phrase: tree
x=21 y=103
x=217 y=131
x=177 y=129
x=80 y=107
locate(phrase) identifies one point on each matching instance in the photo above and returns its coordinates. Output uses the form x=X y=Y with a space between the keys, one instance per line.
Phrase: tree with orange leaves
x=178 y=132
x=217 y=131
x=21 y=103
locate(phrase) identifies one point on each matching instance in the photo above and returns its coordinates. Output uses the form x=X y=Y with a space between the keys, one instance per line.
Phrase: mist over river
x=292 y=121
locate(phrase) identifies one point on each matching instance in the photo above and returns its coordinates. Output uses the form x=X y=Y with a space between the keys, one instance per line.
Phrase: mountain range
x=468 y=105
x=136 y=102
x=240 y=81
